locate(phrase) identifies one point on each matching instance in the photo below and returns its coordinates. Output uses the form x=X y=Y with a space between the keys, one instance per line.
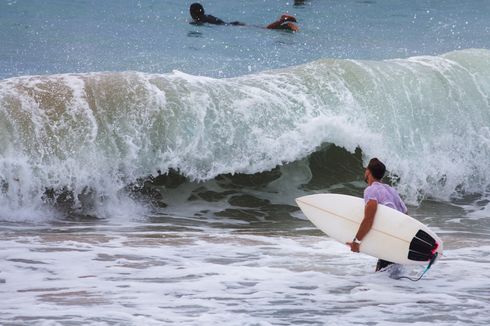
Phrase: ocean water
x=148 y=167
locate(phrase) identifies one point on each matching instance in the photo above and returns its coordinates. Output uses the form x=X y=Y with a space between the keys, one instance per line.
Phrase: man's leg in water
x=382 y=264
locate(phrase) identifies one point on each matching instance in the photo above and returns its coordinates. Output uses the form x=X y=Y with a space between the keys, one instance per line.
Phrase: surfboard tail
x=423 y=247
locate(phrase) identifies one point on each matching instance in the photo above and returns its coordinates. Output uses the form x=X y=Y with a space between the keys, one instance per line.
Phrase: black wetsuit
x=210 y=19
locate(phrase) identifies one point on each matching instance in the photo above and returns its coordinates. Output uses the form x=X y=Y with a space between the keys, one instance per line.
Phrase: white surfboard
x=394 y=237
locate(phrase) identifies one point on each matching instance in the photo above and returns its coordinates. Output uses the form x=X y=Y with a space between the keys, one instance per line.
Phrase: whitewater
x=148 y=167
x=212 y=163
x=97 y=133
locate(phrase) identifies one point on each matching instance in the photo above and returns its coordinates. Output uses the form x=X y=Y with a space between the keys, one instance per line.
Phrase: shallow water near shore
x=163 y=269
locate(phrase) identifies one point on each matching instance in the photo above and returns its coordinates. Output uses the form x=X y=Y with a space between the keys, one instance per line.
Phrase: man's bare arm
x=366 y=224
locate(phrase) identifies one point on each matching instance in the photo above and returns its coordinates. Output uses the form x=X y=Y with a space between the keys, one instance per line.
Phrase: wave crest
x=426 y=117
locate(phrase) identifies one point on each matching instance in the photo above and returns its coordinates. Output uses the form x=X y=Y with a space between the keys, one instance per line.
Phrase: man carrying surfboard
x=376 y=193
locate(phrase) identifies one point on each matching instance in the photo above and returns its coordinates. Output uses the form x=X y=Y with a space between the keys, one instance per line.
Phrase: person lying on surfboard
x=376 y=193
x=285 y=22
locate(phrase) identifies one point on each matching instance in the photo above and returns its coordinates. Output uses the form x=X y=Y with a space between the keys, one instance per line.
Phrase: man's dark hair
x=377 y=168
x=196 y=10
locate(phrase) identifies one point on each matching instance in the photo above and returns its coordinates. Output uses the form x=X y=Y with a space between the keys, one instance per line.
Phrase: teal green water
x=148 y=167
x=154 y=36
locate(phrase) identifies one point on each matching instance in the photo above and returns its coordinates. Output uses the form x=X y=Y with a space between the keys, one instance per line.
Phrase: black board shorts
x=382 y=264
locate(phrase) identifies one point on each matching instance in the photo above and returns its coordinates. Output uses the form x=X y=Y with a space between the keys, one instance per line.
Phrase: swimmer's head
x=196 y=10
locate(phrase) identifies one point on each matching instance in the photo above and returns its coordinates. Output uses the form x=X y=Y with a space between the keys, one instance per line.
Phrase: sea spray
x=93 y=134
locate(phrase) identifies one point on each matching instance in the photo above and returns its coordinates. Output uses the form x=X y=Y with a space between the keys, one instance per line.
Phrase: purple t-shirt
x=384 y=195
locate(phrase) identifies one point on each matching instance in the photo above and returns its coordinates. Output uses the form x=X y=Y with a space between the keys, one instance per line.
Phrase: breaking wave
x=87 y=137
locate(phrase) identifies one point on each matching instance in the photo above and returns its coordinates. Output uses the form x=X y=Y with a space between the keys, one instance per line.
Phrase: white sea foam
x=90 y=135
x=109 y=276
